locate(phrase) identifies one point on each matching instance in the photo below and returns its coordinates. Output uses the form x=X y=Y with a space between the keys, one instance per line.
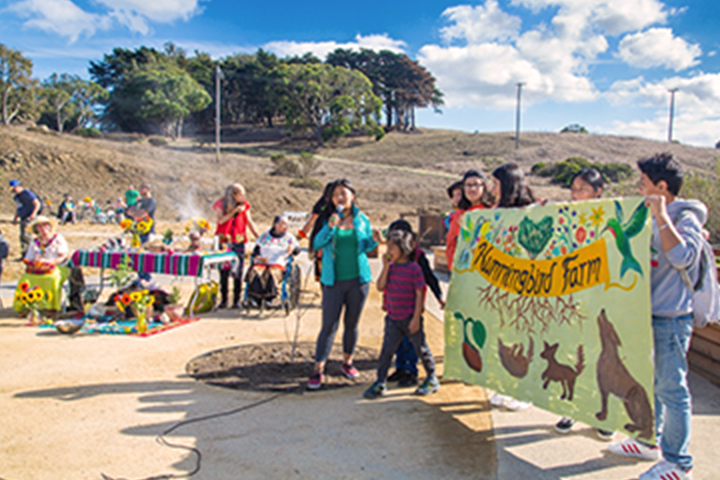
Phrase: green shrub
x=705 y=186
x=574 y=128
x=306 y=155
x=285 y=167
x=90 y=132
x=307 y=183
x=277 y=156
x=563 y=172
x=157 y=141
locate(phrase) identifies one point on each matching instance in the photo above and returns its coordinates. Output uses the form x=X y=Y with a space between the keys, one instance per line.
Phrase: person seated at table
x=46 y=266
x=195 y=244
x=272 y=251
x=66 y=210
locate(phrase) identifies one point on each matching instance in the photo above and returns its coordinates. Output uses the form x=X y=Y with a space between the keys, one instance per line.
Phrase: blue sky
x=606 y=64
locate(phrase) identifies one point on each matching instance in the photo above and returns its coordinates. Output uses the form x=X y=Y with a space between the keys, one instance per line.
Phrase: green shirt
x=131 y=197
x=346 y=255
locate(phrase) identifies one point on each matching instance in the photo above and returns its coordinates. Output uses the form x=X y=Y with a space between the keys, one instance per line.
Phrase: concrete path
x=76 y=407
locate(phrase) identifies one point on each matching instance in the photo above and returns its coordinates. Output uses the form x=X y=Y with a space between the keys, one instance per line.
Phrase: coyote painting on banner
x=551 y=304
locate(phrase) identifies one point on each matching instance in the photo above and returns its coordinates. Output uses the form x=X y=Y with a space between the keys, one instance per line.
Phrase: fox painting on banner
x=551 y=304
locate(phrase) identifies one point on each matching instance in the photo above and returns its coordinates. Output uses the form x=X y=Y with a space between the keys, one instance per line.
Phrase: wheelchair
x=288 y=296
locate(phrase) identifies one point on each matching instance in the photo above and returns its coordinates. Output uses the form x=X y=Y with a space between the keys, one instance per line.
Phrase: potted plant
x=174 y=308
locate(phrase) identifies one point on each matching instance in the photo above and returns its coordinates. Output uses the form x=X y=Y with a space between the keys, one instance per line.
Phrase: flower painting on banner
x=551 y=304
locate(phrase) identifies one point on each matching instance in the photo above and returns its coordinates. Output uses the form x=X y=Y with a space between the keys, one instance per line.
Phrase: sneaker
x=222 y=305
x=350 y=371
x=664 y=470
x=428 y=387
x=396 y=376
x=605 y=435
x=235 y=306
x=515 y=405
x=315 y=381
x=564 y=425
x=408 y=380
x=375 y=390
x=632 y=448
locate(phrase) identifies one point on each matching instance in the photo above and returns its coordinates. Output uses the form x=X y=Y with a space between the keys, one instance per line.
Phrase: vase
x=141 y=323
x=34 y=317
x=135 y=240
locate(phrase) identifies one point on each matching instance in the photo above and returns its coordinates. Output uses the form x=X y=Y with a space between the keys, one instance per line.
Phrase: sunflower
x=136 y=296
x=49 y=296
x=87 y=199
x=143 y=226
x=24 y=286
x=125 y=299
x=126 y=224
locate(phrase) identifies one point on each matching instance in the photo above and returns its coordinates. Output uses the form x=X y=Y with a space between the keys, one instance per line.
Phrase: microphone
x=339 y=211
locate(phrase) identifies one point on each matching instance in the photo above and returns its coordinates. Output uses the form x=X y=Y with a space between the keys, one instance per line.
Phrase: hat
x=400 y=224
x=39 y=220
x=14 y=183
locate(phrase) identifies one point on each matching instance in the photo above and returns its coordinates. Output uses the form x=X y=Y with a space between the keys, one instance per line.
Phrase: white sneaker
x=664 y=470
x=498 y=400
x=516 y=405
x=632 y=448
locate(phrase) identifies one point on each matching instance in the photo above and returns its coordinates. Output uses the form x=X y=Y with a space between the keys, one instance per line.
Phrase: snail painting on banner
x=551 y=304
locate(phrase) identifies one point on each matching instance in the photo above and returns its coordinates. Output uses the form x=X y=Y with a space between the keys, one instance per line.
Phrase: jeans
x=673 y=403
x=406 y=358
x=395 y=330
x=352 y=294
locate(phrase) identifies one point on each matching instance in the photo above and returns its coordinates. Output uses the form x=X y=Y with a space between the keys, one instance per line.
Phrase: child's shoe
x=397 y=376
x=408 y=380
x=376 y=390
x=564 y=425
x=315 y=381
x=350 y=371
x=632 y=448
x=664 y=470
x=428 y=387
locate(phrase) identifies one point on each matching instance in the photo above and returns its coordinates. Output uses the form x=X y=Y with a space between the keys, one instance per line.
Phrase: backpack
x=706 y=292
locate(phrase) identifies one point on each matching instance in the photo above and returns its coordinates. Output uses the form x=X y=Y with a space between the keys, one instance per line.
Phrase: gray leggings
x=352 y=294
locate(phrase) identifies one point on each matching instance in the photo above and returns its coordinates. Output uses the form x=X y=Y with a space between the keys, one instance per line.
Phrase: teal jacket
x=325 y=240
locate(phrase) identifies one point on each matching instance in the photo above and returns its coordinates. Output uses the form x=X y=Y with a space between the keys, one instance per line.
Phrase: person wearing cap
x=28 y=207
x=475 y=195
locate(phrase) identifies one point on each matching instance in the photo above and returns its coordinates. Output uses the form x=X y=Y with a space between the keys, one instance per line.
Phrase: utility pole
x=218 y=76
x=672 y=112
x=517 y=117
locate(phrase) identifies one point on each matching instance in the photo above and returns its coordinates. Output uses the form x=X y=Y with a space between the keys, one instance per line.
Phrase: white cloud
x=658 y=47
x=321 y=49
x=135 y=14
x=65 y=18
x=62 y=17
x=614 y=17
x=479 y=24
x=697 y=103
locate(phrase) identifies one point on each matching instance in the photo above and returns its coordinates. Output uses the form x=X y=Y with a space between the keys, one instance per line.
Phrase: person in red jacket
x=475 y=195
x=233 y=221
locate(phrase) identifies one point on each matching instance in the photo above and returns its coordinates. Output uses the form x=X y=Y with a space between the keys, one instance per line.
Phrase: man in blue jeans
x=676 y=246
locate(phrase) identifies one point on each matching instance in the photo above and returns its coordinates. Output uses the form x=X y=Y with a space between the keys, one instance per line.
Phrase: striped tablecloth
x=184 y=264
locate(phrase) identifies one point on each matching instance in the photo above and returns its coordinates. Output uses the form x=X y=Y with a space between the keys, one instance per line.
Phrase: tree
x=71 y=100
x=15 y=82
x=574 y=128
x=717 y=145
x=330 y=101
x=166 y=96
x=401 y=82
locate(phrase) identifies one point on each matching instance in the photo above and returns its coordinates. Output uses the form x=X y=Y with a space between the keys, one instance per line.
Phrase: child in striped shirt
x=403 y=283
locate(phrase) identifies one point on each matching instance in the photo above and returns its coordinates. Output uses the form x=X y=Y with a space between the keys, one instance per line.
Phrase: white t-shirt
x=275 y=249
x=58 y=248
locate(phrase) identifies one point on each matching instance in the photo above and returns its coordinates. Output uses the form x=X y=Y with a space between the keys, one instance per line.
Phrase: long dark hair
x=485 y=199
x=514 y=190
x=329 y=209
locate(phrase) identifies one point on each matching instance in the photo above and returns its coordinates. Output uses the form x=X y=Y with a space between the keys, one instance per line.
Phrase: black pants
x=395 y=330
x=239 y=250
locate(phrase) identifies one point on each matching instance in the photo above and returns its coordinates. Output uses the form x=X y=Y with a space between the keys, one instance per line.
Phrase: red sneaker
x=315 y=381
x=350 y=371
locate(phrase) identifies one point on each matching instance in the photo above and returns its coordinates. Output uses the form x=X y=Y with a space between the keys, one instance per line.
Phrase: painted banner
x=551 y=304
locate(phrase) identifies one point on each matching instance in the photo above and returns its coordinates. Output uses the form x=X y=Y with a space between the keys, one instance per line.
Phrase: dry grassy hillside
x=403 y=172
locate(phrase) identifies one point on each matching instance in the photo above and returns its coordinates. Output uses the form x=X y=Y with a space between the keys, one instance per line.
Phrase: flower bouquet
x=32 y=299
x=197 y=225
x=140 y=303
x=137 y=227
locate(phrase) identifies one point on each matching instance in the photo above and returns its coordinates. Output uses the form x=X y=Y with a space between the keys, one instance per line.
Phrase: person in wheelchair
x=269 y=264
